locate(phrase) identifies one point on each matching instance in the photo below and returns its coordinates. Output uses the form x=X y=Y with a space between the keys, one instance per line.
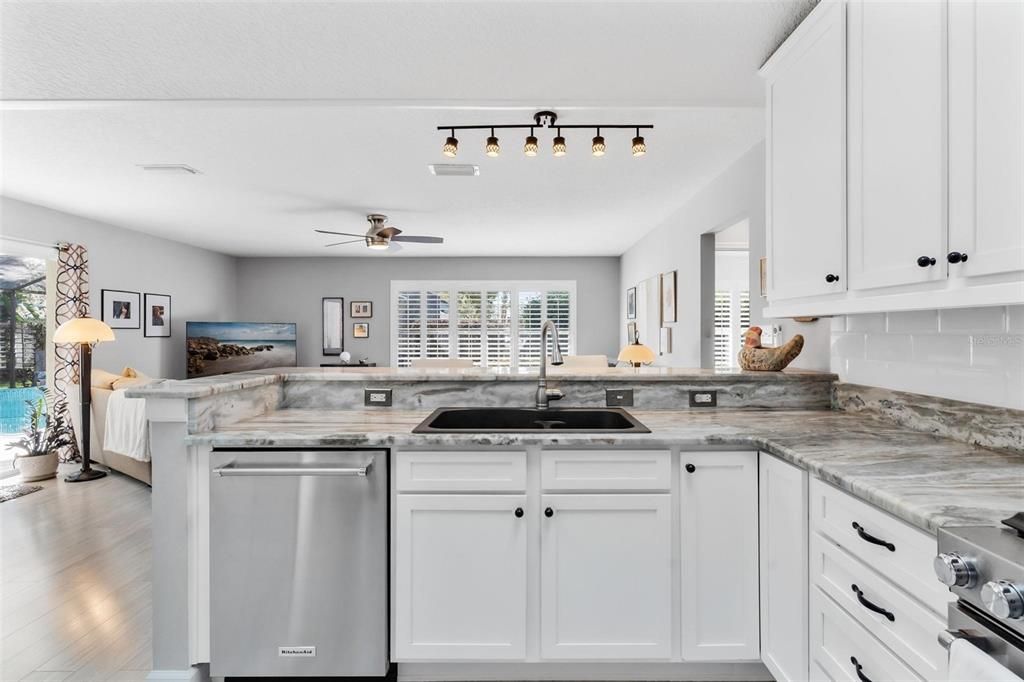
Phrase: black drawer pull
x=861 y=676
x=868 y=537
x=871 y=606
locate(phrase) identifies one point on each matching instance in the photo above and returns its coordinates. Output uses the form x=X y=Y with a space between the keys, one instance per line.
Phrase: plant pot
x=38 y=467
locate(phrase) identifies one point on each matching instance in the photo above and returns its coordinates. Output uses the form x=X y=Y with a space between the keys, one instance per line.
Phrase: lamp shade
x=636 y=353
x=83 y=330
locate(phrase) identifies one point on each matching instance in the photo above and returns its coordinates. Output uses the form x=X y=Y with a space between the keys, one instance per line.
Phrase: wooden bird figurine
x=755 y=357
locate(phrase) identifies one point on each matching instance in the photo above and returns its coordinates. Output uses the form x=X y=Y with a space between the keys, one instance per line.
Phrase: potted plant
x=45 y=434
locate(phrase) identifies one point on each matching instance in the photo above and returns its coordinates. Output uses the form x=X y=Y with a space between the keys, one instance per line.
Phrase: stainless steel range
x=984 y=567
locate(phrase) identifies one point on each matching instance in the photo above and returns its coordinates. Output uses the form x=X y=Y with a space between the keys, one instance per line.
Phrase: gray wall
x=201 y=283
x=290 y=289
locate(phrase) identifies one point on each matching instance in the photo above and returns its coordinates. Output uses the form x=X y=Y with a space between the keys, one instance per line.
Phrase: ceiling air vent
x=169 y=168
x=454 y=169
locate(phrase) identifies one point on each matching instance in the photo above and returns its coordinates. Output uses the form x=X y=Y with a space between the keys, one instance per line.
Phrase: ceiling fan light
x=493 y=148
x=639 y=146
x=377 y=243
x=531 y=147
x=558 y=146
x=597 y=148
x=450 y=148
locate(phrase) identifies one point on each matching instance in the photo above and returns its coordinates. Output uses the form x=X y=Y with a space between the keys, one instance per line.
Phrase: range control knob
x=1003 y=599
x=953 y=570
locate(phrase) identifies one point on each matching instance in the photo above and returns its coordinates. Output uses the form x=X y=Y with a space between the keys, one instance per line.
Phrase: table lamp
x=636 y=353
x=86 y=332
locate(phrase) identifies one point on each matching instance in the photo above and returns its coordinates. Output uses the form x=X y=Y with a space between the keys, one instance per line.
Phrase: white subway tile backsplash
x=943 y=349
x=838 y=323
x=870 y=322
x=1015 y=319
x=998 y=351
x=973 y=320
x=890 y=347
x=914 y=322
x=848 y=345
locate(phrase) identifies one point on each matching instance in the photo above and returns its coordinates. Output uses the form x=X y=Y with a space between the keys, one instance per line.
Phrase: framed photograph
x=668 y=296
x=333 y=324
x=156 y=321
x=225 y=347
x=665 y=341
x=121 y=309
x=631 y=332
x=631 y=303
x=361 y=309
x=360 y=330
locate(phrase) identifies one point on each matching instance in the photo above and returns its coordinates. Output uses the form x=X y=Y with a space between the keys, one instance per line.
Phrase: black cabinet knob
x=690 y=468
x=925 y=261
x=549 y=512
x=955 y=257
x=519 y=512
x=831 y=278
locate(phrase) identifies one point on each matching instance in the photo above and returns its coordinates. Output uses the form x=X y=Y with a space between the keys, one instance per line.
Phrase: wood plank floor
x=75 y=582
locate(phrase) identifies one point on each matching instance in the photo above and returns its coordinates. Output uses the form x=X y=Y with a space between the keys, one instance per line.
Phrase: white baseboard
x=526 y=672
x=197 y=673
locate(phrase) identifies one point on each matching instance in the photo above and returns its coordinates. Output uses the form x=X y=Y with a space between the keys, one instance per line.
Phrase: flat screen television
x=224 y=347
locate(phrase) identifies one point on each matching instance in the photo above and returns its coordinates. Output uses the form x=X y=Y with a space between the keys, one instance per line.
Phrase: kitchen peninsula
x=495 y=525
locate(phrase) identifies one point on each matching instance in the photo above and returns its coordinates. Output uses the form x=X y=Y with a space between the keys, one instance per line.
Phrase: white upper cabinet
x=806 y=152
x=897 y=142
x=718 y=507
x=986 y=131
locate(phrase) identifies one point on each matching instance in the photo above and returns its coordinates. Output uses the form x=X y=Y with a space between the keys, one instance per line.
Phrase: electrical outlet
x=703 y=398
x=377 y=397
x=618 y=397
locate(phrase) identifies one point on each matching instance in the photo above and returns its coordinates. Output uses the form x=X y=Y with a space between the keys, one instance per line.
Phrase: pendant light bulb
x=493 y=148
x=639 y=146
x=558 y=145
x=597 y=147
x=531 y=147
x=451 y=146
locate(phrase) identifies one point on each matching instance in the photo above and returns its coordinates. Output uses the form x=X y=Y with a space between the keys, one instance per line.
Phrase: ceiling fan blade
x=418 y=239
x=392 y=247
x=389 y=232
x=350 y=241
x=343 y=234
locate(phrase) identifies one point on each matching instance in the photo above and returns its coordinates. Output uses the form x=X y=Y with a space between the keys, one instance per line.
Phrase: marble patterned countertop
x=923 y=479
x=206 y=386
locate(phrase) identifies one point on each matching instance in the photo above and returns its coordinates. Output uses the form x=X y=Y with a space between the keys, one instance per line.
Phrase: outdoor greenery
x=47 y=429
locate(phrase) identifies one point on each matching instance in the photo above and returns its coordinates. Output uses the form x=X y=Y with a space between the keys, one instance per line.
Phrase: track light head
x=597 y=147
x=493 y=148
x=639 y=146
x=558 y=145
x=451 y=147
x=531 y=146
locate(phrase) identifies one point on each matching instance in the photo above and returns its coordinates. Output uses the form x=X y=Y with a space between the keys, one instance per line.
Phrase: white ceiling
x=313 y=114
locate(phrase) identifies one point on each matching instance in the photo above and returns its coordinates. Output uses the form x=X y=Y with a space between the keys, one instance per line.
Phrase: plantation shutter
x=470 y=339
x=438 y=337
x=723 y=329
x=499 y=328
x=408 y=312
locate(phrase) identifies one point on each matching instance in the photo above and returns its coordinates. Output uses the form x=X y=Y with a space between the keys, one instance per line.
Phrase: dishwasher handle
x=292 y=471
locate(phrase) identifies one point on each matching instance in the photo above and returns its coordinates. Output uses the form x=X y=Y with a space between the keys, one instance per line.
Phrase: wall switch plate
x=618 y=397
x=703 y=398
x=377 y=397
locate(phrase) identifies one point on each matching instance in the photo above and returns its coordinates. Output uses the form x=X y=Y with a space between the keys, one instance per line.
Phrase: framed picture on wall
x=668 y=296
x=120 y=309
x=631 y=303
x=156 y=320
x=631 y=332
x=359 y=309
x=360 y=330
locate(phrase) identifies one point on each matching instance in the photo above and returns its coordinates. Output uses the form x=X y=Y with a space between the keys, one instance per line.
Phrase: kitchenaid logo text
x=1000 y=340
x=296 y=651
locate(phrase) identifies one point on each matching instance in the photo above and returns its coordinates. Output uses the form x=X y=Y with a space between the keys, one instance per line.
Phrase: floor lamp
x=85 y=332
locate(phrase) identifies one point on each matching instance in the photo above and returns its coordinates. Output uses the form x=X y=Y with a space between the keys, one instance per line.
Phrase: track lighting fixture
x=531 y=147
x=451 y=146
x=493 y=148
x=544 y=119
x=558 y=146
x=639 y=146
x=597 y=146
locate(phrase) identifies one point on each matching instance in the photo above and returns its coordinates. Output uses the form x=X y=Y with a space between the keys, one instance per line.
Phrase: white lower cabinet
x=460 y=577
x=783 y=494
x=718 y=508
x=606 y=580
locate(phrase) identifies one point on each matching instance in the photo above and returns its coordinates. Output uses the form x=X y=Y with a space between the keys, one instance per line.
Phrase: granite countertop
x=206 y=386
x=926 y=480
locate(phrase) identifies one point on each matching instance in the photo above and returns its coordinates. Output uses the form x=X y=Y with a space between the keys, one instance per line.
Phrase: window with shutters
x=494 y=324
x=732 y=317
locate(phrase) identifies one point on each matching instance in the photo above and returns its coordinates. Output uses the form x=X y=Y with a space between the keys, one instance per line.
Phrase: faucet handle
x=554 y=394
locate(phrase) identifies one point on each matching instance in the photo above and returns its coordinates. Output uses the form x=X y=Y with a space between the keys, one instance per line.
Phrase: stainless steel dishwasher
x=298 y=563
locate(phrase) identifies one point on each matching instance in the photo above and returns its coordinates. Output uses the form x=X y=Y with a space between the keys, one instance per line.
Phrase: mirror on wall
x=334 y=325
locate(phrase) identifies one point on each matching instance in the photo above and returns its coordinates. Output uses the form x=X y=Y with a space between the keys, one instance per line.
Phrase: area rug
x=12 y=492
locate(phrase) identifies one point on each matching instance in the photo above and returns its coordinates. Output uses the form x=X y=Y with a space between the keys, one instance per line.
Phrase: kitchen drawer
x=839 y=644
x=602 y=470
x=911 y=633
x=906 y=559
x=468 y=471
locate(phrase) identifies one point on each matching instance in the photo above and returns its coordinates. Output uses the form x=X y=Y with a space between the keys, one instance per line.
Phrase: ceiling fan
x=380 y=237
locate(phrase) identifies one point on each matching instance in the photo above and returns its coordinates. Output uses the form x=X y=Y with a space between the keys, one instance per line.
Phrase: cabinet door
x=897 y=142
x=986 y=119
x=806 y=154
x=606 y=576
x=460 y=577
x=718 y=506
x=784 y=580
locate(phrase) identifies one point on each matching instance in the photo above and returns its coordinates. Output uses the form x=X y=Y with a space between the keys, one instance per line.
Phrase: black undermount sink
x=528 y=419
